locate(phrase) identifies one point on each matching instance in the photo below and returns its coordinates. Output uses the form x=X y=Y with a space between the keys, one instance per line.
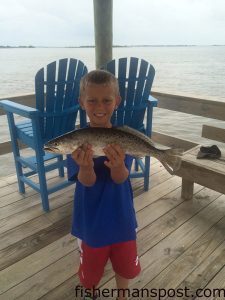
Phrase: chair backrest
x=57 y=92
x=135 y=77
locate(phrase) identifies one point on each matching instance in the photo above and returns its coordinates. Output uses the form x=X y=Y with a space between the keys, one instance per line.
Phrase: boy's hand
x=115 y=155
x=83 y=156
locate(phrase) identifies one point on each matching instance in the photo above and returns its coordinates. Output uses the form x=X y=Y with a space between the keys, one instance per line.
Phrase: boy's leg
x=125 y=263
x=122 y=285
x=92 y=263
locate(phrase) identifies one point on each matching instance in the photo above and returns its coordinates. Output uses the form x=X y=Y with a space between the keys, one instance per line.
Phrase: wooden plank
x=63 y=211
x=12 y=186
x=164 y=253
x=19 y=206
x=39 y=260
x=22 y=231
x=218 y=281
x=174 y=214
x=207 y=245
x=28 y=100
x=59 y=99
x=9 y=179
x=172 y=141
x=210 y=164
x=213 y=133
x=3 y=183
x=122 y=67
x=12 y=251
x=165 y=223
x=9 y=193
x=221 y=161
x=6 y=147
x=190 y=105
x=130 y=89
x=54 y=215
x=170 y=218
x=157 y=178
x=66 y=290
x=50 y=99
x=24 y=215
x=28 y=202
x=34 y=208
x=203 y=273
x=209 y=173
x=207 y=178
x=156 y=193
x=47 y=279
x=216 y=287
x=167 y=228
x=30 y=244
x=32 y=212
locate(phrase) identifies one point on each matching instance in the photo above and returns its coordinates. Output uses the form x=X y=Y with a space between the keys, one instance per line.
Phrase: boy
x=104 y=218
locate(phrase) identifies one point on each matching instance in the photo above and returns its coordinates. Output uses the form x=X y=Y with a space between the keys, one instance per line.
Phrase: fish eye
x=56 y=144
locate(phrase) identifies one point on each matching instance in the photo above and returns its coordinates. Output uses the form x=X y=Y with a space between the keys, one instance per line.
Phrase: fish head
x=60 y=146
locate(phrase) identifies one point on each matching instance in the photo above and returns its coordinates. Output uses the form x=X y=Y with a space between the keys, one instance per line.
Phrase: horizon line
x=114 y=46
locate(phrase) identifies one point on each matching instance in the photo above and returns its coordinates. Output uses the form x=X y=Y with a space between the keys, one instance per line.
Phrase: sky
x=135 y=22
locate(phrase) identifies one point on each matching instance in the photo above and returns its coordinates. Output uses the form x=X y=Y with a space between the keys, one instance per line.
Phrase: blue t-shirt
x=103 y=213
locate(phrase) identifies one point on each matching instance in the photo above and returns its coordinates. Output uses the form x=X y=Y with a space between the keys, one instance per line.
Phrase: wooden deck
x=181 y=243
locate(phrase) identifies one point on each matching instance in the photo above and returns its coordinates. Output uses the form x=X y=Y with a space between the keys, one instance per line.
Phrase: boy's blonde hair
x=99 y=77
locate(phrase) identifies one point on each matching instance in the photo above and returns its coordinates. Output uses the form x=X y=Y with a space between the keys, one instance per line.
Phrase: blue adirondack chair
x=57 y=91
x=135 y=78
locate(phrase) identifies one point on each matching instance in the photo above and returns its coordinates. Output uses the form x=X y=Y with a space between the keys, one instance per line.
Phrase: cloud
x=47 y=22
x=168 y=22
x=69 y=22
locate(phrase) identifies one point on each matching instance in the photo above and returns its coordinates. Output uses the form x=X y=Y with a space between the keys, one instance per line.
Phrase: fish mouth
x=51 y=149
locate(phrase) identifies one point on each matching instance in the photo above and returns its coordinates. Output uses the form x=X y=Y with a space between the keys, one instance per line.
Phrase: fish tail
x=172 y=160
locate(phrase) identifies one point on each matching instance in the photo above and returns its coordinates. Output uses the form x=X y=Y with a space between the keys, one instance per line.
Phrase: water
x=190 y=71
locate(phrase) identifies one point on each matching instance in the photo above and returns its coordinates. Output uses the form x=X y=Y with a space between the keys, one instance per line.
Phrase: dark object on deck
x=209 y=152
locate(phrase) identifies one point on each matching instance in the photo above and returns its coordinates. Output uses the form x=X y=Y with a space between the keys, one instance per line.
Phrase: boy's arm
x=87 y=176
x=119 y=174
x=84 y=158
x=118 y=169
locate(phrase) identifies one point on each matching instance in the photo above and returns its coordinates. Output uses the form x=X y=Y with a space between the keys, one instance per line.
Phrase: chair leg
x=16 y=152
x=60 y=169
x=42 y=180
x=19 y=173
x=136 y=166
x=147 y=172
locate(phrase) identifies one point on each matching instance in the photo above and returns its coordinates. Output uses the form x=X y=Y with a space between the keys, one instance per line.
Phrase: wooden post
x=103 y=31
x=187 y=189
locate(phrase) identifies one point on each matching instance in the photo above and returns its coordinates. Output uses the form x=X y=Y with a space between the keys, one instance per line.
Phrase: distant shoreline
x=115 y=46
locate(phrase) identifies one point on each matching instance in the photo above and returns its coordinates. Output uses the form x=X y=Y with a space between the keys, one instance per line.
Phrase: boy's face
x=99 y=101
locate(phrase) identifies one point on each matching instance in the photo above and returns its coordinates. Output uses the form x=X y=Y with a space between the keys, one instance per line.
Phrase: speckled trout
x=130 y=140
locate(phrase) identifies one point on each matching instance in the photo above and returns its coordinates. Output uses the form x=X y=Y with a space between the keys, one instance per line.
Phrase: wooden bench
x=207 y=172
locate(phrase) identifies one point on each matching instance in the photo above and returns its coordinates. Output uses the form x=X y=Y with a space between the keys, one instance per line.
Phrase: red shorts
x=123 y=256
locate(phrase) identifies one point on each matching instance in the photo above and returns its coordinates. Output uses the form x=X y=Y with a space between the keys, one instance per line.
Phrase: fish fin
x=137 y=133
x=172 y=160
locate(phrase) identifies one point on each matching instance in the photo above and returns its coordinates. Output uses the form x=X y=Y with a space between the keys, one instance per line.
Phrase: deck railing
x=189 y=105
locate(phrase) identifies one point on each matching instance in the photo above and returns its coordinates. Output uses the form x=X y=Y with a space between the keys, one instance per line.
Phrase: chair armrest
x=19 y=109
x=153 y=102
